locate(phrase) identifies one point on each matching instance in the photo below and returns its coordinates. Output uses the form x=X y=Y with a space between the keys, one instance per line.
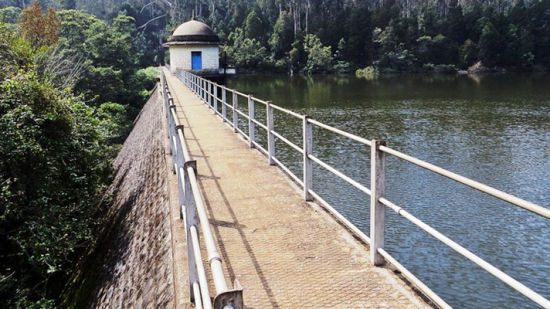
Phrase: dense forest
x=76 y=72
x=313 y=36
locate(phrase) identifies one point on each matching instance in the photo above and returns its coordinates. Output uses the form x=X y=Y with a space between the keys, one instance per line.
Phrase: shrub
x=369 y=73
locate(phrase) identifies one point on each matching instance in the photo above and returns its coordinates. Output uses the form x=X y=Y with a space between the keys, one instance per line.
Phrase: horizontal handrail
x=188 y=186
x=288 y=171
x=284 y=110
x=239 y=93
x=263 y=126
x=261 y=101
x=242 y=113
x=228 y=105
x=259 y=147
x=532 y=207
x=341 y=218
x=377 y=195
x=469 y=255
x=286 y=141
x=242 y=133
x=341 y=175
x=338 y=131
x=412 y=278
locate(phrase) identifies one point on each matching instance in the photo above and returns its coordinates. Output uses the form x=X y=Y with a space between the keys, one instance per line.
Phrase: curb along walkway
x=285 y=252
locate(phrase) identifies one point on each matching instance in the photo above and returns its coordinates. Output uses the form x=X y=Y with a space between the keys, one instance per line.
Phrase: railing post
x=308 y=148
x=377 y=210
x=215 y=98
x=209 y=94
x=251 y=124
x=224 y=111
x=270 y=136
x=235 y=114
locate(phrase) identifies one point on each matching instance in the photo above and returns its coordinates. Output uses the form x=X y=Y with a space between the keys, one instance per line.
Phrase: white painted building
x=194 y=46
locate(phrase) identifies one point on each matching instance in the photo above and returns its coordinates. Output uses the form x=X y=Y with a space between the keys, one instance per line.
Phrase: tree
x=358 y=47
x=281 y=40
x=53 y=172
x=255 y=27
x=297 y=55
x=436 y=50
x=519 y=50
x=341 y=66
x=10 y=15
x=245 y=52
x=108 y=53
x=39 y=28
x=319 y=57
x=467 y=54
x=454 y=23
x=491 y=45
x=401 y=60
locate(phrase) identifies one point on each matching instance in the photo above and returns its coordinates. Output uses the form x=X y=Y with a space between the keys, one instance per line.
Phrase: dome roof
x=193 y=32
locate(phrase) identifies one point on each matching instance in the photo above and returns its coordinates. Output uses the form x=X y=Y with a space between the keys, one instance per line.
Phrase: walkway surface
x=286 y=253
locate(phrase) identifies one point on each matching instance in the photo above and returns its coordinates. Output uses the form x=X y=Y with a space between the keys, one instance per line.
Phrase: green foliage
x=369 y=73
x=109 y=58
x=10 y=15
x=254 y=26
x=519 y=50
x=245 y=52
x=358 y=46
x=467 y=54
x=438 y=50
x=281 y=40
x=52 y=172
x=491 y=44
x=503 y=33
x=57 y=146
x=439 y=68
x=340 y=65
x=16 y=53
x=401 y=60
x=146 y=78
x=319 y=57
x=297 y=55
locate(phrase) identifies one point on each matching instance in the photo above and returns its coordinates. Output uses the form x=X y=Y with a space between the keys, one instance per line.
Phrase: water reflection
x=495 y=129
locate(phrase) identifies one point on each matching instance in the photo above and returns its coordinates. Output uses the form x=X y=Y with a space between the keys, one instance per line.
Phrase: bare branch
x=150 y=21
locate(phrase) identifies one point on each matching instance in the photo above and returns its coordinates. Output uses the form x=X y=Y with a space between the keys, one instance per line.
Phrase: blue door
x=196 y=60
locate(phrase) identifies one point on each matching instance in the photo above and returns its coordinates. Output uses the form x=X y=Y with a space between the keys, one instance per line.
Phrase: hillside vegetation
x=339 y=36
x=69 y=89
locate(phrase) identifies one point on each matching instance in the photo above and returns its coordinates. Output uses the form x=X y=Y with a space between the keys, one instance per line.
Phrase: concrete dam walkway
x=286 y=253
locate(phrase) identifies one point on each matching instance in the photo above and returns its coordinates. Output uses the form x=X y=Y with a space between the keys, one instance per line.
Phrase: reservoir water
x=494 y=129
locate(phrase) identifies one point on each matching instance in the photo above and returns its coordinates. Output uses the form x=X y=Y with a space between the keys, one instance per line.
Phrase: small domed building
x=194 y=46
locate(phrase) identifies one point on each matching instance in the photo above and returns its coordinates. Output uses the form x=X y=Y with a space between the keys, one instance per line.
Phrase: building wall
x=180 y=57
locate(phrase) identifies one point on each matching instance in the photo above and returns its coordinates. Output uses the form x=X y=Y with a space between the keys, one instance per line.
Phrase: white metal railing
x=193 y=213
x=208 y=91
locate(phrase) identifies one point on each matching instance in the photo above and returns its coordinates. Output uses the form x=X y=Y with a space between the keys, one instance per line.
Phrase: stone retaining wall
x=135 y=266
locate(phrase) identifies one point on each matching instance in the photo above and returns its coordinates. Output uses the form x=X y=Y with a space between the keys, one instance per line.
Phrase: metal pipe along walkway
x=285 y=252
